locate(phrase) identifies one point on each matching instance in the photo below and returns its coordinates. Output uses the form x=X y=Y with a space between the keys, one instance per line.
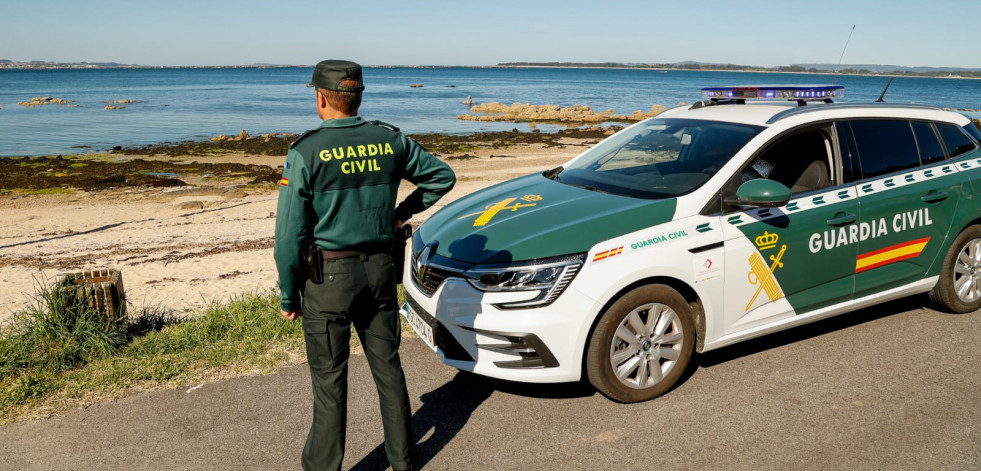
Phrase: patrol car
x=755 y=210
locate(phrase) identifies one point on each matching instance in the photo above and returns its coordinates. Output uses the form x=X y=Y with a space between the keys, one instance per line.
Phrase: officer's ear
x=321 y=101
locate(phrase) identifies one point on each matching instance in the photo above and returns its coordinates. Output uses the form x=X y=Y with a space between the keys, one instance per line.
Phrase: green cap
x=330 y=73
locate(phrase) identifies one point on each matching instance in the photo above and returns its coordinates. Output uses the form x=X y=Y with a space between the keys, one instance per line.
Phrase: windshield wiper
x=590 y=188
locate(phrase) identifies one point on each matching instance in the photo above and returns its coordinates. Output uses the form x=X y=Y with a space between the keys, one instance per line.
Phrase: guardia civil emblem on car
x=758 y=209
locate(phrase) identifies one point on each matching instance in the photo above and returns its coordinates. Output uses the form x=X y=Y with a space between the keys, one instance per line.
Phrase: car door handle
x=934 y=196
x=842 y=219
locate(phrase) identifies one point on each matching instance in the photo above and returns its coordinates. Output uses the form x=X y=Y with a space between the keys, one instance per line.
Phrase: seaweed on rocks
x=44 y=173
x=267 y=144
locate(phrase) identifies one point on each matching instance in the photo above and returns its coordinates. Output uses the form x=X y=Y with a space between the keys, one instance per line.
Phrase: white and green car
x=701 y=227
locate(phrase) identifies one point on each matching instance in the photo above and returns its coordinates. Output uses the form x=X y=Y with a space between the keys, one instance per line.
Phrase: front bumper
x=541 y=345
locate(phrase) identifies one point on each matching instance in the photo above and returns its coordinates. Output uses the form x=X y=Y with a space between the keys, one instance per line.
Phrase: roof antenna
x=842 y=54
x=880 y=100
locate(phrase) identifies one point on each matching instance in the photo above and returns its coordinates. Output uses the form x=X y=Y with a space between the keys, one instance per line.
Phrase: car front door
x=777 y=264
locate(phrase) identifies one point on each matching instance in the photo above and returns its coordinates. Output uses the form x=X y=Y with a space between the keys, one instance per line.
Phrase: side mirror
x=761 y=193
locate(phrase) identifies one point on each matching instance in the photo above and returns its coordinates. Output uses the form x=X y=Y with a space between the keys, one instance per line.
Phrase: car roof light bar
x=799 y=93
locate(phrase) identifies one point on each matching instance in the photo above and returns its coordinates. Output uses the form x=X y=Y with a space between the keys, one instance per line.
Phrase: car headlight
x=549 y=277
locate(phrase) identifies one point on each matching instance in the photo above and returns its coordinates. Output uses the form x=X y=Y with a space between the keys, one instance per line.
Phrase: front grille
x=433 y=277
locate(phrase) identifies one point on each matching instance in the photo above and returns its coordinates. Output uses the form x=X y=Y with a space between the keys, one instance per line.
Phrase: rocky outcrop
x=640 y=115
x=524 y=112
x=416 y=85
x=111 y=107
x=244 y=136
x=45 y=100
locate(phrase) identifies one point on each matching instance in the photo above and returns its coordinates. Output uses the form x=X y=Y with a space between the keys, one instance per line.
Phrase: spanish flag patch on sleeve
x=286 y=167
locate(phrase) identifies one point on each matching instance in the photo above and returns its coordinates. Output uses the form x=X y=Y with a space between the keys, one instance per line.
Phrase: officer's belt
x=357 y=251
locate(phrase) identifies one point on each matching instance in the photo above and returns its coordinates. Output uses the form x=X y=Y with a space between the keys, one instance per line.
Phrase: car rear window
x=884 y=146
x=956 y=141
x=973 y=130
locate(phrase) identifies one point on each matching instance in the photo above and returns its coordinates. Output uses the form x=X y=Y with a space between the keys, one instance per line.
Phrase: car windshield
x=660 y=158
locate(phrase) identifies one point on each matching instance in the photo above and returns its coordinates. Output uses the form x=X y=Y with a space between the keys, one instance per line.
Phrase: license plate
x=422 y=329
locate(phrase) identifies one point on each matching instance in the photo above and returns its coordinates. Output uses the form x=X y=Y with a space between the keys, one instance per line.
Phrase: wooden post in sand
x=103 y=288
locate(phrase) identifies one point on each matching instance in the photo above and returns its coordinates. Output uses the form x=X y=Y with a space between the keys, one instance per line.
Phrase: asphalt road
x=897 y=386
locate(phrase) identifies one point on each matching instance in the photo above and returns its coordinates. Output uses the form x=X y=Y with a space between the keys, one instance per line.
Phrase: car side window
x=926 y=139
x=956 y=141
x=802 y=162
x=884 y=146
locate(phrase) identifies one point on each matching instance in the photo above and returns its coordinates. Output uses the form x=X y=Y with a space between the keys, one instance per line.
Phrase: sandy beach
x=180 y=248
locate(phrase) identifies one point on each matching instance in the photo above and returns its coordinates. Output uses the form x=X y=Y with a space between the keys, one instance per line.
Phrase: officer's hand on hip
x=291 y=315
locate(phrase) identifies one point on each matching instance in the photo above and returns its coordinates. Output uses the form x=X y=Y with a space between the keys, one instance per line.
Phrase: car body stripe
x=892 y=254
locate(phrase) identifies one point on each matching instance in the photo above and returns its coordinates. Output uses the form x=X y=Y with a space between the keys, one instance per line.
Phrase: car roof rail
x=838 y=106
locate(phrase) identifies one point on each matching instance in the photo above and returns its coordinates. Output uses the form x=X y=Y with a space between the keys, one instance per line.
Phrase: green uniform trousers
x=356 y=290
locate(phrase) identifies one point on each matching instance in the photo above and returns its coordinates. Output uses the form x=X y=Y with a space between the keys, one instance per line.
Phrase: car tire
x=650 y=326
x=959 y=287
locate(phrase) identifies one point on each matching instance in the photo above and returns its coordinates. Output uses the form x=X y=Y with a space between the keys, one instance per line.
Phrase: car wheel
x=959 y=287
x=641 y=345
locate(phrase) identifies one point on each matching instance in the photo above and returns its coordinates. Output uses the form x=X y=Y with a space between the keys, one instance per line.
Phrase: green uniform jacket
x=339 y=190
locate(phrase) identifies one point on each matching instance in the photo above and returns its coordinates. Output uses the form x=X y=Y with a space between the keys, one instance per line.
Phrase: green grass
x=59 y=331
x=60 y=353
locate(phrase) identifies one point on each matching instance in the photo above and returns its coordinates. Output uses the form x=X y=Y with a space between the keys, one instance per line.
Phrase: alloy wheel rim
x=967 y=272
x=646 y=346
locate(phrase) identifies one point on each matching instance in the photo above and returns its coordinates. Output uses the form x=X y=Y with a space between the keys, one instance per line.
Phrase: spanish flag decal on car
x=892 y=254
x=607 y=254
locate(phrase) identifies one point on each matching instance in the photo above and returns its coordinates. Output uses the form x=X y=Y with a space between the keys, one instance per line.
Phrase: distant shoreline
x=953 y=72
x=658 y=69
x=144 y=67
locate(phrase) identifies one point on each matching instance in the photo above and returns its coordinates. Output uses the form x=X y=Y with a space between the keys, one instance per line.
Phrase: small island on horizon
x=844 y=69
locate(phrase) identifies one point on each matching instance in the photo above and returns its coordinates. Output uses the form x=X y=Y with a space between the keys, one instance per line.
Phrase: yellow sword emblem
x=763 y=275
x=483 y=217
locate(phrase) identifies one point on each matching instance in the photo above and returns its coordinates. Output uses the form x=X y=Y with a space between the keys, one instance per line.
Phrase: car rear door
x=908 y=191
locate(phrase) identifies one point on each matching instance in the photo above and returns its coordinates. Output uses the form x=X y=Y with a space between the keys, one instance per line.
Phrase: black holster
x=314 y=259
x=402 y=235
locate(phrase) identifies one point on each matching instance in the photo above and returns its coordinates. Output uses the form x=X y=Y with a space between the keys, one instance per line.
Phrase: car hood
x=533 y=217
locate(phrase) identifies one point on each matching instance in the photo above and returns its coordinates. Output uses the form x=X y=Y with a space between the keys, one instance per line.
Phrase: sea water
x=179 y=104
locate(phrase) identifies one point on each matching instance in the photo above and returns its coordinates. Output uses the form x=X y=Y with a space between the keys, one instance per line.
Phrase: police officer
x=337 y=207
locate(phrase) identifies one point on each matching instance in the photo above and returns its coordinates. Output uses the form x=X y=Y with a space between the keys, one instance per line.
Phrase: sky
x=935 y=33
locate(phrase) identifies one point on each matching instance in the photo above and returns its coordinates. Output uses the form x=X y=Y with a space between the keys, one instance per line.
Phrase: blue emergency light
x=775 y=92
